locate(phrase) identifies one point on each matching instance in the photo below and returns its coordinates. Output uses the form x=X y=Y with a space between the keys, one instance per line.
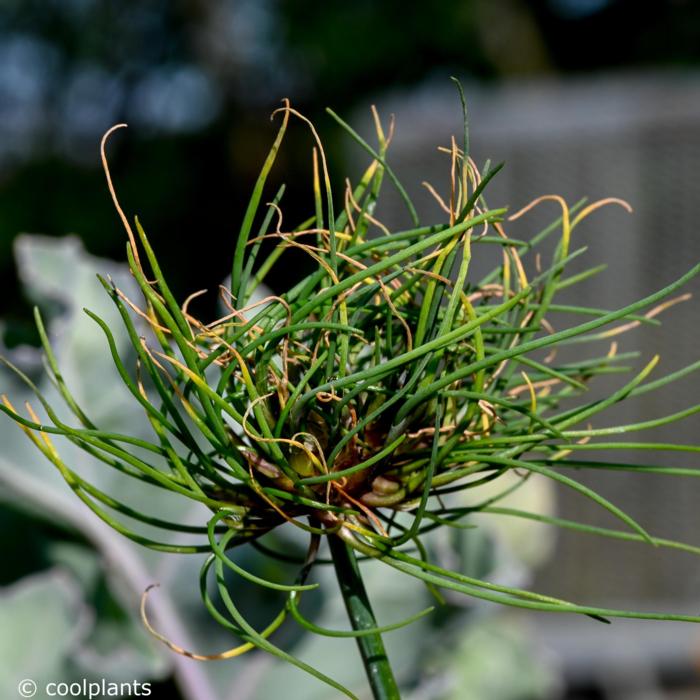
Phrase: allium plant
x=355 y=404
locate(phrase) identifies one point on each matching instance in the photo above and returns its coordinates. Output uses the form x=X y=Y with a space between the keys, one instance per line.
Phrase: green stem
x=377 y=666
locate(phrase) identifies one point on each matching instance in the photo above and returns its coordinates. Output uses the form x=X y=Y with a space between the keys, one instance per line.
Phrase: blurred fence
x=634 y=136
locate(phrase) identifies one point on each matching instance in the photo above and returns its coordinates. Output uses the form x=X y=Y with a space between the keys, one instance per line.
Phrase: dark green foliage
x=352 y=405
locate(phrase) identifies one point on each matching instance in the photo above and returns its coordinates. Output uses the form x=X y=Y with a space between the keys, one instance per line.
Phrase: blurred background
x=587 y=98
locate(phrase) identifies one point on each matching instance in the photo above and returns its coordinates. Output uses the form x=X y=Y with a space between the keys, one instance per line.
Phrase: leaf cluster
x=357 y=403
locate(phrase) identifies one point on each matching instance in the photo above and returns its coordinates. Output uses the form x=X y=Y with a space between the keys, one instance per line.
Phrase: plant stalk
x=379 y=674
